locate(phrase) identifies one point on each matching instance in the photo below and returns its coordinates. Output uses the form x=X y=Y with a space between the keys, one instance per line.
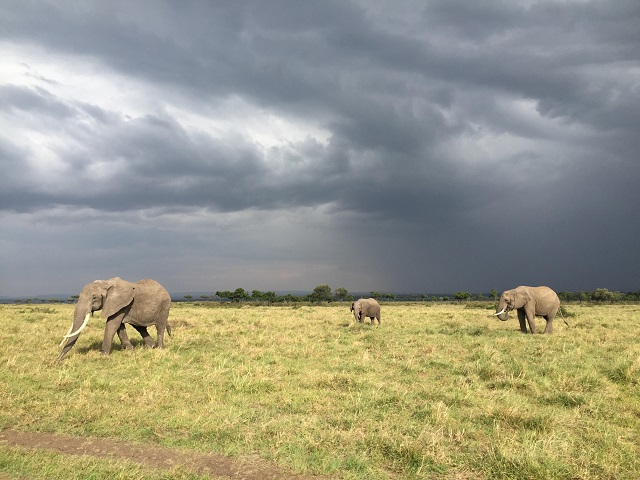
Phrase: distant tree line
x=599 y=295
x=71 y=299
x=321 y=293
x=324 y=294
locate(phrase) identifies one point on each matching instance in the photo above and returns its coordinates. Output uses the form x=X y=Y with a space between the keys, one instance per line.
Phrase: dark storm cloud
x=431 y=142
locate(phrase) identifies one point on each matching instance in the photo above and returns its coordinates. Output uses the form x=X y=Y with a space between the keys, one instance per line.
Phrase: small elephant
x=140 y=304
x=366 y=307
x=529 y=302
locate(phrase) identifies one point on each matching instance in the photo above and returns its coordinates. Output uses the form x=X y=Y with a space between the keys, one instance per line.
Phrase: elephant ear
x=521 y=297
x=119 y=294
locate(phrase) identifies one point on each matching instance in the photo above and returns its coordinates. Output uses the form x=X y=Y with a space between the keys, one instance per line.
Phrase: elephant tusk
x=65 y=336
x=501 y=312
x=84 y=324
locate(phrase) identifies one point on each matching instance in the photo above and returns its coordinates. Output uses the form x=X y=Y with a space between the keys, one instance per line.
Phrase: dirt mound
x=164 y=458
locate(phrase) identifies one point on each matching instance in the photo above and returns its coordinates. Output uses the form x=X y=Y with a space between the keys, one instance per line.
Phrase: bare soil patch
x=252 y=468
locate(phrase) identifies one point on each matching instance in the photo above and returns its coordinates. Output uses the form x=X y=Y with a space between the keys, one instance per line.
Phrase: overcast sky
x=395 y=146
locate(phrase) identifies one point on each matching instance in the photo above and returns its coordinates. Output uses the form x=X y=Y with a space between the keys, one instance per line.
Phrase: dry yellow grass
x=438 y=391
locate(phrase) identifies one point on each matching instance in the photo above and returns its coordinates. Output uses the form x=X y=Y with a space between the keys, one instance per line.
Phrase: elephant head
x=110 y=296
x=511 y=300
x=356 y=308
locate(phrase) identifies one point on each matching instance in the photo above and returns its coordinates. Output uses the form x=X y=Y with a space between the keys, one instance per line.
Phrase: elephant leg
x=549 y=328
x=161 y=324
x=124 y=338
x=148 y=341
x=160 y=328
x=523 y=321
x=112 y=326
x=532 y=323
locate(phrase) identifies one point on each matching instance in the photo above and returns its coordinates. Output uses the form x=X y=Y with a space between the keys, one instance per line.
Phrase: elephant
x=366 y=307
x=140 y=304
x=529 y=302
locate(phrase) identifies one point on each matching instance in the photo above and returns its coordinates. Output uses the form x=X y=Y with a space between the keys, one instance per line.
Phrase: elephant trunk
x=502 y=312
x=80 y=319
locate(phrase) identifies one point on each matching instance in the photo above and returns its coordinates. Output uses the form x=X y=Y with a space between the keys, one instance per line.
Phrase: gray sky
x=428 y=146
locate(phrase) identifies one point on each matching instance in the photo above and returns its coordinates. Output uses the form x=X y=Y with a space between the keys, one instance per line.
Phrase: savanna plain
x=438 y=390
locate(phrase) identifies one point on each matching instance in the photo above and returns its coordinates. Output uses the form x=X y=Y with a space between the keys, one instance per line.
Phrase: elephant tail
x=563 y=319
x=169 y=329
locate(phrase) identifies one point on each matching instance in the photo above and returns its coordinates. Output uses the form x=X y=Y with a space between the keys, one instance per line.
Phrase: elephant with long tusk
x=529 y=303
x=140 y=304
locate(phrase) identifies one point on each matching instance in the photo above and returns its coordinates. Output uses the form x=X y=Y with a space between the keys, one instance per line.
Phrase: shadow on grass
x=96 y=346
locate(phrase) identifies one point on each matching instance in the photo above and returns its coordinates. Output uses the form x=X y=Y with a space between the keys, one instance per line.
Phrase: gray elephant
x=366 y=307
x=140 y=304
x=529 y=302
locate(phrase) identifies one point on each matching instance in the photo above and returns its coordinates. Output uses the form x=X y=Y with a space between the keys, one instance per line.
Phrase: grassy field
x=438 y=391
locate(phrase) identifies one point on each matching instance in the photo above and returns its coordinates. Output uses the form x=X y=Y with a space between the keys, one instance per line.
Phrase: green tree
x=257 y=295
x=322 y=293
x=494 y=294
x=341 y=294
x=604 y=295
x=462 y=296
x=633 y=296
x=224 y=294
x=239 y=295
x=584 y=296
x=289 y=298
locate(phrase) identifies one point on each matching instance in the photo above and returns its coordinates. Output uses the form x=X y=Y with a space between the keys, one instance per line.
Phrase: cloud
x=380 y=146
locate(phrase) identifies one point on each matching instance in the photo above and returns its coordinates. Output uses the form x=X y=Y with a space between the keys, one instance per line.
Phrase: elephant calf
x=366 y=307
x=529 y=302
